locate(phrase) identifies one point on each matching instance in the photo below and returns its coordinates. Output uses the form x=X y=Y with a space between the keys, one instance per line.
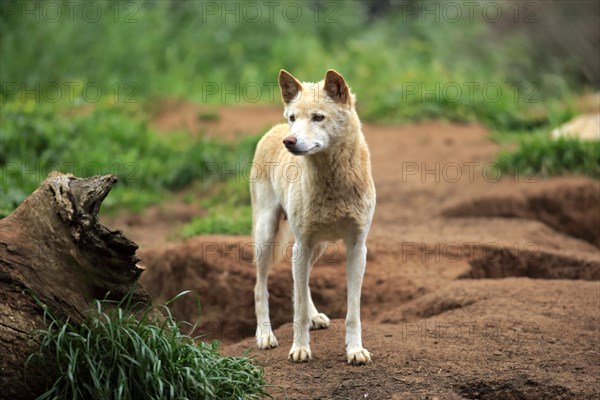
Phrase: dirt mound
x=439 y=302
x=567 y=206
x=490 y=248
x=520 y=338
x=221 y=270
x=501 y=262
x=504 y=299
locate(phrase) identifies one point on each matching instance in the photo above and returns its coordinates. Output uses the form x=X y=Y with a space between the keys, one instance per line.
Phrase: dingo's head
x=320 y=115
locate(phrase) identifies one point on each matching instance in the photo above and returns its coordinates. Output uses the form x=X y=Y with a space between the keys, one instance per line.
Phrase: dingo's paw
x=267 y=341
x=300 y=354
x=359 y=356
x=319 y=321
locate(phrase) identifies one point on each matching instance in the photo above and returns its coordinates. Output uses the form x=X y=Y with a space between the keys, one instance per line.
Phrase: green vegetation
x=116 y=355
x=81 y=102
x=229 y=211
x=533 y=151
x=540 y=154
x=106 y=140
x=221 y=219
x=402 y=66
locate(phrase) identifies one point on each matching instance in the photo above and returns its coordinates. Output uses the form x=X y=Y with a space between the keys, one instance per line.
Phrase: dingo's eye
x=318 y=117
x=292 y=118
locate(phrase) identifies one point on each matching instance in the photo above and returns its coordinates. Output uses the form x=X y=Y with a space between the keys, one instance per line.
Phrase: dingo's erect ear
x=289 y=85
x=336 y=88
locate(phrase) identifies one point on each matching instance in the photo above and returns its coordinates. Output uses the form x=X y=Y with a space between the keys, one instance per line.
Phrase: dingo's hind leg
x=317 y=320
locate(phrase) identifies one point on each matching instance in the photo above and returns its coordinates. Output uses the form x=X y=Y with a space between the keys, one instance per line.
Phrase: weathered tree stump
x=53 y=245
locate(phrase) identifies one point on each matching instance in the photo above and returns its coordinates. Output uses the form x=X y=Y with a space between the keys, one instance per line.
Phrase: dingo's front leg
x=356 y=263
x=300 y=351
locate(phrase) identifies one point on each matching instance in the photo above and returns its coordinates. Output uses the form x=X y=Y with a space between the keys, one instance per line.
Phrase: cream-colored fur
x=318 y=185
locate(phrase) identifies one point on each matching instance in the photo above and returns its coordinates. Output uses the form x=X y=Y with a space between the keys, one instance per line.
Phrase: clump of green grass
x=115 y=355
x=221 y=219
x=540 y=154
x=229 y=212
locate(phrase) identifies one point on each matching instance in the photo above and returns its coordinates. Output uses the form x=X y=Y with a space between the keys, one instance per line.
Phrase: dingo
x=330 y=196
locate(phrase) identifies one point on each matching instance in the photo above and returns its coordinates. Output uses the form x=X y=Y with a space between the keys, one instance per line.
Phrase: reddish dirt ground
x=476 y=288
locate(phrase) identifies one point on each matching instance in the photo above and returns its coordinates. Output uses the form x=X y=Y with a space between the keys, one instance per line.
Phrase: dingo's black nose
x=290 y=141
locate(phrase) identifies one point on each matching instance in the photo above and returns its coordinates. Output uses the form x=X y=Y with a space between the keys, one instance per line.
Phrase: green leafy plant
x=119 y=354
